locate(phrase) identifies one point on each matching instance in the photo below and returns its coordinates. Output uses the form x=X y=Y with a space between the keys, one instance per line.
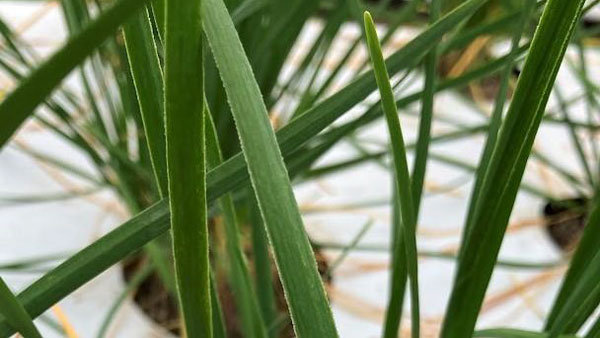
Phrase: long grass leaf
x=262 y=265
x=402 y=176
x=348 y=248
x=218 y=322
x=594 y=331
x=507 y=165
x=77 y=16
x=148 y=80
x=512 y=333
x=186 y=163
x=293 y=254
x=393 y=313
x=581 y=297
x=576 y=142
x=497 y=114
x=130 y=287
x=399 y=269
x=15 y=314
x=422 y=149
x=239 y=279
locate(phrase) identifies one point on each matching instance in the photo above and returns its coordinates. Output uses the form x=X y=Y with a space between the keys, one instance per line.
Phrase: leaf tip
x=367 y=18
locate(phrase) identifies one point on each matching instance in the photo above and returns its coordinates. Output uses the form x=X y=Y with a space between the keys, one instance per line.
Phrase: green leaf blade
x=427 y=106
x=186 y=163
x=15 y=314
x=148 y=81
x=293 y=253
x=402 y=180
x=239 y=278
x=507 y=164
x=512 y=333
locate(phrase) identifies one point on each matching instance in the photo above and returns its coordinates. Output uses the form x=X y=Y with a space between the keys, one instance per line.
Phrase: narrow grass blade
x=426 y=117
x=577 y=144
x=512 y=333
x=274 y=44
x=403 y=184
x=407 y=13
x=37 y=86
x=313 y=66
x=594 y=331
x=60 y=164
x=239 y=275
x=399 y=267
x=497 y=114
x=32 y=262
x=461 y=164
x=512 y=150
x=445 y=137
x=158 y=9
x=132 y=284
x=186 y=163
x=45 y=198
x=583 y=296
x=393 y=313
x=15 y=314
x=311 y=61
x=218 y=322
x=77 y=17
x=463 y=38
x=262 y=265
x=148 y=80
x=346 y=250
x=293 y=253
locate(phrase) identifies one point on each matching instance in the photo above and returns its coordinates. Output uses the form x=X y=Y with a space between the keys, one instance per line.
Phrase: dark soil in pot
x=565 y=220
x=152 y=297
